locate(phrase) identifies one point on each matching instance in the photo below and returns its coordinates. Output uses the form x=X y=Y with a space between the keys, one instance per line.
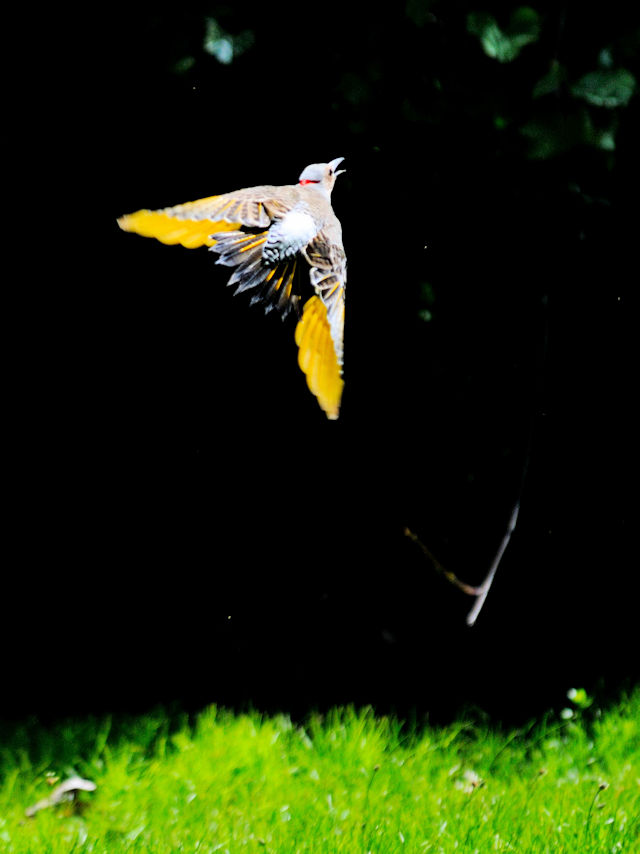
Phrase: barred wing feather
x=192 y=224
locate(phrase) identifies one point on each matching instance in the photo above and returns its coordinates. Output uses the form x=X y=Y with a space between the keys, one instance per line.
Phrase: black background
x=184 y=525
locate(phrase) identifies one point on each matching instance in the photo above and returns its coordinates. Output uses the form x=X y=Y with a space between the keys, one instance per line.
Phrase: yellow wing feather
x=173 y=225
x=317 y=357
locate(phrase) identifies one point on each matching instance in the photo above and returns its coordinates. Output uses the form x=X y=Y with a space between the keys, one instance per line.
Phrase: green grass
x=345 y=782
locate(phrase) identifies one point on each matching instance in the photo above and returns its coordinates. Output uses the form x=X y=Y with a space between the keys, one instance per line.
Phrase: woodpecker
x=268 y=234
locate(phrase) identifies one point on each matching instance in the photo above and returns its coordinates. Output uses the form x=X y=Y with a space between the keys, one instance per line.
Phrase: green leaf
x=553 y=133
x=606 y=140
x=478 y=22
x=184 y=64
x=579 y=698
x=551 y=82
x=606 y=87
x=525 y=21
x=605 y=59
x=223 y=45
x=427 y=298
x=505 y=45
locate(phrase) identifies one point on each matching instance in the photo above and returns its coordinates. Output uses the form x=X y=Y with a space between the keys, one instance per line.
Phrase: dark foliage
x=185 y=523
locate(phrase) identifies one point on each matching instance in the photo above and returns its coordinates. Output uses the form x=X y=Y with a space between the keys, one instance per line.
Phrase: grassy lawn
x=344 y=782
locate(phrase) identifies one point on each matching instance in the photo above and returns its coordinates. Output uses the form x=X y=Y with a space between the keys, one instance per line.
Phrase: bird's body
x=267 y=233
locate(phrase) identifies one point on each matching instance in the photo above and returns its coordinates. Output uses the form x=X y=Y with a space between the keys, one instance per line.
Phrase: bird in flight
x=271 y=235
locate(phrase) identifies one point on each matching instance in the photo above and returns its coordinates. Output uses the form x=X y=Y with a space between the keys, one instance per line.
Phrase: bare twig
x=450 y=576
x=472 y=616
x=482 y=591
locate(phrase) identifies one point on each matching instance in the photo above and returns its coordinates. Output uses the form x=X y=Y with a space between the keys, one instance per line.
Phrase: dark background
x=184 y=524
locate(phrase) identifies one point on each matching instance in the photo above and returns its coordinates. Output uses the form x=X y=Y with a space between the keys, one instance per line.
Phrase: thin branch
x=450 y=576
x=482 y=591
x=484 y=588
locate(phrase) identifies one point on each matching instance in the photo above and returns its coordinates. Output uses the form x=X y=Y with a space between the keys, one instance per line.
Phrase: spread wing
x=236 y=225
x=320 y=330
x=192 y=224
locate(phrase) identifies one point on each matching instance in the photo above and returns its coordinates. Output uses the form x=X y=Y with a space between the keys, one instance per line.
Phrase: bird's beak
x=334 y=164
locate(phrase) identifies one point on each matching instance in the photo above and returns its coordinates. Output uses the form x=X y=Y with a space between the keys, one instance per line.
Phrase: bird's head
x=322 y=175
